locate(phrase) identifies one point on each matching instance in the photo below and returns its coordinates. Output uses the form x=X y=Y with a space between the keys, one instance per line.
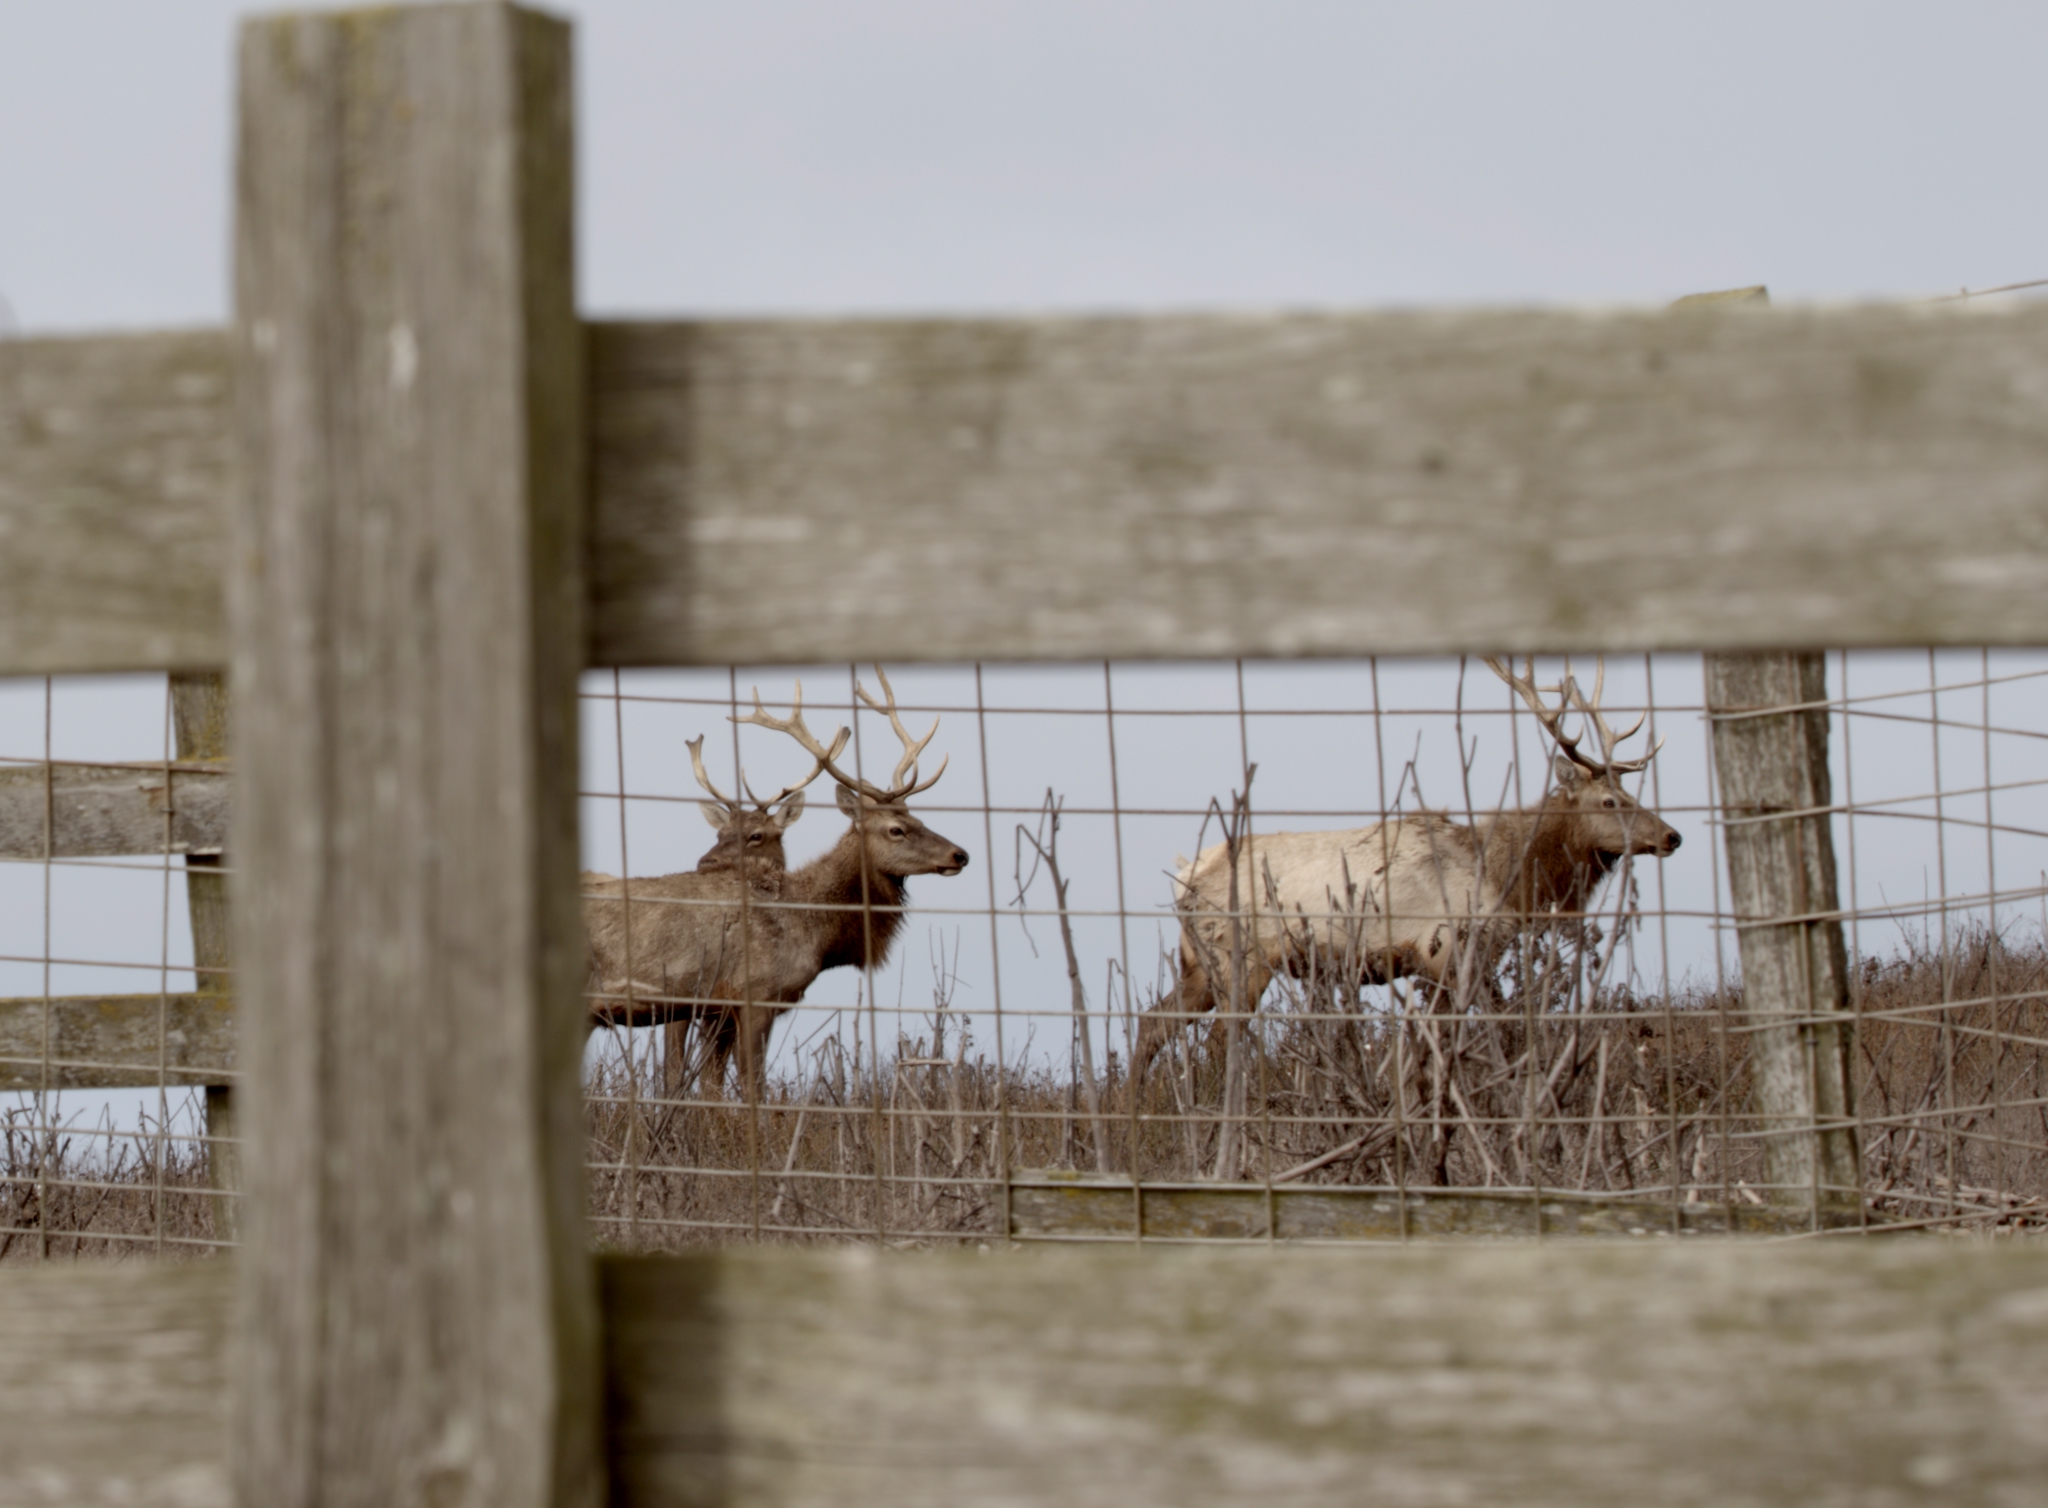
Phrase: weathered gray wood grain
x=421 y=1307
x=1334 y=483
x=1065 y=1209
x=113 y=502
x=118 y=1041
x=199 y=719
x=1712 y=1373
x=1318 y=484
x=71 y=811
x=1707 y=1374
x=1775 y=793
x=113 y=1385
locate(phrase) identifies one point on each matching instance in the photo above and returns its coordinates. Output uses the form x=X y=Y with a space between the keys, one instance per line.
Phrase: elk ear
x=714 y=812
x=792 y=808
x=849 y=803
x=1569 y=775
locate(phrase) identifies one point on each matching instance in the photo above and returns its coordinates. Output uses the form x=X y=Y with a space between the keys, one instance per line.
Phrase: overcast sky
x=1045 y=155
x=1001 y=155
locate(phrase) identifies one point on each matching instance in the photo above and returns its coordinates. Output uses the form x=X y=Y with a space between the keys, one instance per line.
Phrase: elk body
x=1420 y=896
x=735 y=946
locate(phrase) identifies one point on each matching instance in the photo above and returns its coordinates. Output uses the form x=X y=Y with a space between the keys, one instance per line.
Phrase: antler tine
x=1552 y=718
x=793 y=725
x=838 y=743
x=696 y=748
x=1609 y=739
x=912 y=747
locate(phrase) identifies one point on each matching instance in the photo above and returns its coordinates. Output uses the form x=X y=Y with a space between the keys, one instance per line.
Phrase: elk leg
x=722 y=1026
x=1257 y=975
x=675 y=1055
x=1190 y=996
x=752 y=1024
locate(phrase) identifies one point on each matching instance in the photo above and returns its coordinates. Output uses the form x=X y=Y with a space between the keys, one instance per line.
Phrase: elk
x=1419 y=896
x=711 y=945
x=750 y=841
x=744 y=865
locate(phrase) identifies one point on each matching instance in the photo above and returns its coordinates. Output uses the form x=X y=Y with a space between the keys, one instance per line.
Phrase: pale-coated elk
x=710 y=946
x=1421 y=896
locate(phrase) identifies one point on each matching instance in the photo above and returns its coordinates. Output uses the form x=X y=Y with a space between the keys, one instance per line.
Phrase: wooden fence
x=409 y=495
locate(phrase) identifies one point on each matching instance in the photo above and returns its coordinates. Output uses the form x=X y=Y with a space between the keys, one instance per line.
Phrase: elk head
x=750 y=840
x=1608 y=823
x=893 y=841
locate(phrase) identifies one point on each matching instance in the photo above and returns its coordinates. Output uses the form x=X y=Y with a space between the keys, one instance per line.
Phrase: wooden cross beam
x=1312 y=484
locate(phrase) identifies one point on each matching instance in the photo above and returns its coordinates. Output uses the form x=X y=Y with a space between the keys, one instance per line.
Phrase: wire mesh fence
x=1324 y=950
x=116 y=1042
x=1575 y=1034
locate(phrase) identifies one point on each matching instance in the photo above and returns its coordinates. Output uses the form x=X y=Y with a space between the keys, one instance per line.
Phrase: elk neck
x=1546 y=855
x=869 y=904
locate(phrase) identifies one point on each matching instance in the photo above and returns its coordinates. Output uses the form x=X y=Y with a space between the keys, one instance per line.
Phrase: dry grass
x=68 y=1191
x=1565 y=1083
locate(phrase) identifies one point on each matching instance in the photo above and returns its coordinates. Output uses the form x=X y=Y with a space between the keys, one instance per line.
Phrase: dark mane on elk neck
x=1422 y=895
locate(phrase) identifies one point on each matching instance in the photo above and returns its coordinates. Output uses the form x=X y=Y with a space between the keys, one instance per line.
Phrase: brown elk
x=749 y=844
x=1413 y=896
x=750 y=841
x=748 y=848
x=712 y=946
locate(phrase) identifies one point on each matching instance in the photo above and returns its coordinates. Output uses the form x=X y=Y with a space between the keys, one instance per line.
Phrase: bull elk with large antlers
x=725 y=947
x=1422 y=895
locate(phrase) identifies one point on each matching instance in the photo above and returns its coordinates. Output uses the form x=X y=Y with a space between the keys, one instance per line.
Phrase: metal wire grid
x=913 y=1102
x=104 y=1137
x=991 y=1055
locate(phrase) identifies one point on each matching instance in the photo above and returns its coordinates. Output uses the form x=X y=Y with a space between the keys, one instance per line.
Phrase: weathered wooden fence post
x=418 y=1305
x=199 y=717
x=1771 y=757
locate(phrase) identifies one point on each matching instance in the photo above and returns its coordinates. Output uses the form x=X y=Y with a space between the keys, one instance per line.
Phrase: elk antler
x=907 y=765
x=1569 y=698
x=696 y=748
x=793 y=725
x=1609 y=739
x=733 y=806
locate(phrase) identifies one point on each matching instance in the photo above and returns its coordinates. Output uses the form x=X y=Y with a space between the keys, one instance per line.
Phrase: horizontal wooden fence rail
x=76 y=811
x=1204 y=485
x=1062 y=1206
x=1710 y=1374
x=117 y=1041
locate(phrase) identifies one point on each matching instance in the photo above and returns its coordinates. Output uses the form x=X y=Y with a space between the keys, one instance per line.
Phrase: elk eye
x=753 y=837
x=895 y=832
x=1608 y=801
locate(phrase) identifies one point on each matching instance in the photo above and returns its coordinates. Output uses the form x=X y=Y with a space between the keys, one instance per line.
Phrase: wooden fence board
x=1059 y=1208
x=113 y=502
x=1317 y=484
x=199 y=717
x=118 y=1041
x=408 y=630
x=1820 y=1373
x=1704 y=1374
x=101 y=811
x=1776 y=804
x=1337 y=483
x=113 y=1385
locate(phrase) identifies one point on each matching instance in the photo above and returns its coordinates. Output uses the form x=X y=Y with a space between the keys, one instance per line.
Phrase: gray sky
x=1045 y=155
x=1110 y=154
